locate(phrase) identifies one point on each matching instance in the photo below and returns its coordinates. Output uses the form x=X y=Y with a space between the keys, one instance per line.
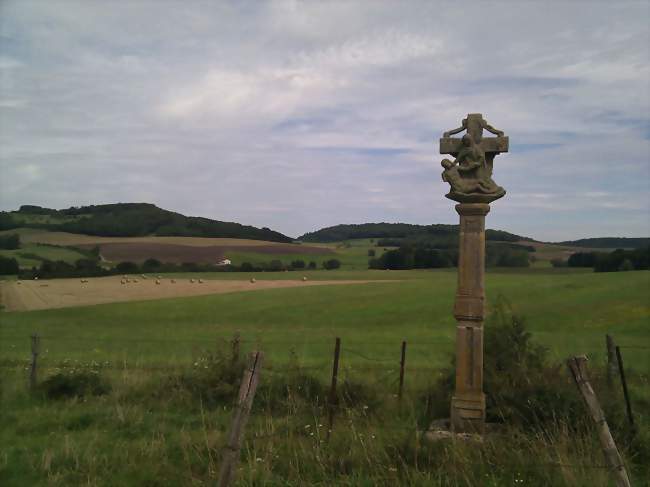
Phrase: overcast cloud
x=299 y=115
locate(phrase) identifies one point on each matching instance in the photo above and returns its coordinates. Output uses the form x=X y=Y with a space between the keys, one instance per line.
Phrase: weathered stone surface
x=470 y=173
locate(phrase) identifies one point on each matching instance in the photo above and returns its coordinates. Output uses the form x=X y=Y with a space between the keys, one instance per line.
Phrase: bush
x=10 y=242
x=8 y=266
x=371 y=252
x=151 y=264
x=77 y=384
x=126 y=267
x=214 y=380
x=331 y=264
x=559 y=263
x=298 y=264
x=312 y=265
x=520 y=386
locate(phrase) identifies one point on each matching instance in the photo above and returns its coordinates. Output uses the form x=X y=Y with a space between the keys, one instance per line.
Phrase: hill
x=608 y=243
x=131 y=220
x=444 y=234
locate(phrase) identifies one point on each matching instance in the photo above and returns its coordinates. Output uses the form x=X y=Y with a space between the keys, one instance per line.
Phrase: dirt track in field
x=63 y=293
x=177 y=254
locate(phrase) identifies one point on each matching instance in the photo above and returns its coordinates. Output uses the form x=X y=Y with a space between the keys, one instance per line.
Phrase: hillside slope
x=608 y=243
x=408 y=231
x=131 y=220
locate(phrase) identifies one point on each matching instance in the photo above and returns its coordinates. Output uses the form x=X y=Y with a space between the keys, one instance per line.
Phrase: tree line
x=91 y=267
x=618 y=260
x=414 y=256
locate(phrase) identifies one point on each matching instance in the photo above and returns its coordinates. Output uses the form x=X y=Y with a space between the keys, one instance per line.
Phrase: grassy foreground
x=151 y=428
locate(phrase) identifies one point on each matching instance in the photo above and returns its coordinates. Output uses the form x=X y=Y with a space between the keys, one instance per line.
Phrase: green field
x=31 y=255
x=567 y=311
x=146 y=433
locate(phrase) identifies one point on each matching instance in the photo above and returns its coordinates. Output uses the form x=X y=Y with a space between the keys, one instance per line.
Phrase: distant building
x=224 y=262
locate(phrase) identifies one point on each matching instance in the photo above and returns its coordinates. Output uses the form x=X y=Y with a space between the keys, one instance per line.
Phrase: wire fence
x=387 y=368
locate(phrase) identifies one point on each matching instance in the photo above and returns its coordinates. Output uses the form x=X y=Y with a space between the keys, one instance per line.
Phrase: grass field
x=27 y=254
x=567 y=311
x=150 y=430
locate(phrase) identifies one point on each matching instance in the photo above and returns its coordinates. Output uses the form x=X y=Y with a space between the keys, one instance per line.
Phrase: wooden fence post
x=621 y=370
x=247 y=390
x=402 y=362
x=33 y=371
x=236 y=340
x=332 y=398
x=611 y=359
x=578 y=368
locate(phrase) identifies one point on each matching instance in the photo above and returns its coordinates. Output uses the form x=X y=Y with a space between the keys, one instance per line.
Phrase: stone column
x=468 y=402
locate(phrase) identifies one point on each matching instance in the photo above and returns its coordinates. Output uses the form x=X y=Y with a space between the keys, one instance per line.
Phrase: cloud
x=297 y=115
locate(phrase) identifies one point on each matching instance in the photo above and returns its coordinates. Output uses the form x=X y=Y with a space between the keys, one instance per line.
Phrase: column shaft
x=468 y=402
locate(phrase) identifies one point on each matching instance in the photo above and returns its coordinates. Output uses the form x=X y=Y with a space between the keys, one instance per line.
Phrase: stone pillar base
x=468 y=413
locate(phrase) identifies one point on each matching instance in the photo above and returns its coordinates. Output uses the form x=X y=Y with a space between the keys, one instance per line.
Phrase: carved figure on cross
x=470 y=174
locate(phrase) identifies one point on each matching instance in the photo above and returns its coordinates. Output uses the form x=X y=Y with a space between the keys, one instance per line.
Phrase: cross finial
x=470 y=173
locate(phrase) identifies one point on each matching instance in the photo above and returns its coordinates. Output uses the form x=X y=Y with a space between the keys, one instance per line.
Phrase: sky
x=300 y=115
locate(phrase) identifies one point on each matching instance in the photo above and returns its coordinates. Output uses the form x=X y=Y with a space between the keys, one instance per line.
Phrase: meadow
x=153 y=429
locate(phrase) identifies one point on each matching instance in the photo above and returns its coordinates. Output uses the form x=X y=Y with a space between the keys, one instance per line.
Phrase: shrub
x=76 y=384
x=151 y=264
x=520 y=386
x=214 y=380
x=8 y=266
x=298 y=264
x=559 y=263
x=126 y=267
x=331 y=264
x=10 y=242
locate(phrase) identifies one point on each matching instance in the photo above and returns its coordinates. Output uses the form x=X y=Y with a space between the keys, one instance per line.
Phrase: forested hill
x=396 y=231
x=608 y=243
x=130 y=220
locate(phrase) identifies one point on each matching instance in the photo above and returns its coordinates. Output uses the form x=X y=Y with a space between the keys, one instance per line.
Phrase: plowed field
x=141 y=251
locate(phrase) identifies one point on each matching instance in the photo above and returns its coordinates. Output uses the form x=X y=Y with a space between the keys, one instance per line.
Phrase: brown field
x=63 y=293
x=177 y=254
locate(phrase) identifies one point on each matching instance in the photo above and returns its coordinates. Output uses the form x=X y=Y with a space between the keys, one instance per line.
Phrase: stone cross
x=470 y=174
x=470 y=178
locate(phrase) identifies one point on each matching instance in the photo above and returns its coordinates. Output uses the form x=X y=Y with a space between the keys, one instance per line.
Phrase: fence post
x=247 y=389
x=578 y=368
x=402 y=362
x=621 y=370
x=33 y=371
x=236 y=340
x=611 y=358
x=332 y=398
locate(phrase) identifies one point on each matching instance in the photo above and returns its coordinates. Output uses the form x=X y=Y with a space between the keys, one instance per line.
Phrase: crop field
x=569 y=312
x=64 y=293
x=161 y=419
x=31 y=255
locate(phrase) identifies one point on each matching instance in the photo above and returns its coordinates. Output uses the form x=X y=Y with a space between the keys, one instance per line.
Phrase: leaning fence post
x=332 y=397
x=578 y=368
x=402 y=362
x=611 y=358
x=242 y=411
x=621 y=370
x=33 y=371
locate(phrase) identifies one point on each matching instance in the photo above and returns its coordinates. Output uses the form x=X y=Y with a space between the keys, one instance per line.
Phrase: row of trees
x=618 y=260
x=92 y=268
x=421 y=257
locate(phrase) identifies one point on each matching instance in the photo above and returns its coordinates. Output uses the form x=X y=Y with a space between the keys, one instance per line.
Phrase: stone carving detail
x=470 y=173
